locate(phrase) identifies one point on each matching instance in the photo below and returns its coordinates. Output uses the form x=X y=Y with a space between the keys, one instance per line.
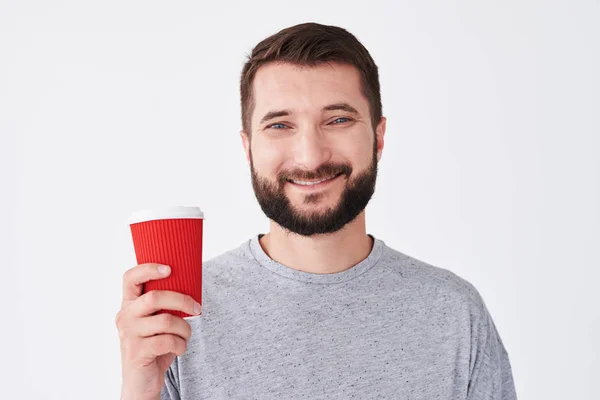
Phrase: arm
x=490 y=370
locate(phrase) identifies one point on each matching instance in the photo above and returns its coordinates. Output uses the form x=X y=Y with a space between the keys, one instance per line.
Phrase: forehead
x=304 y=89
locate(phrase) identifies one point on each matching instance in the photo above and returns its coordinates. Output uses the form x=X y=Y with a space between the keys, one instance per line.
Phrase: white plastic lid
x=166 y=213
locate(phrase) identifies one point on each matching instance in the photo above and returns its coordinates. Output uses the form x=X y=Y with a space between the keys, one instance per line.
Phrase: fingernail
x=197 y=308
x=163 y=269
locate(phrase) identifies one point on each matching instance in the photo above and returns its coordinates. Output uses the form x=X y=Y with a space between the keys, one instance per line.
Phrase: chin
x=316 y=202
x=316 y=210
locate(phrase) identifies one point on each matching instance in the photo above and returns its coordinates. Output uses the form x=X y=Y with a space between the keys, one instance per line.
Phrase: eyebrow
x=341 y=106
x=332 y=107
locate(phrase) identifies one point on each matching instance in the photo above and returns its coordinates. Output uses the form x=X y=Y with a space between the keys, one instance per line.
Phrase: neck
x=320 y=254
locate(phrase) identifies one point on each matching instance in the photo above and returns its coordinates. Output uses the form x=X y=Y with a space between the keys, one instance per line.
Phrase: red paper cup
x=171 y=236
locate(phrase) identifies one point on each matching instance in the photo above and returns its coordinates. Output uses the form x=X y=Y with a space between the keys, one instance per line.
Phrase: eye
x=342 y=119
x=276 y=125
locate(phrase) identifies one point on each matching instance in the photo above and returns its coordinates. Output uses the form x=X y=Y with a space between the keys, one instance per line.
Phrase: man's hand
x=149 y=343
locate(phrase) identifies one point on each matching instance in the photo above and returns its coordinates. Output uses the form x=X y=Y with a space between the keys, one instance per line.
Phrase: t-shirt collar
x=314 y=278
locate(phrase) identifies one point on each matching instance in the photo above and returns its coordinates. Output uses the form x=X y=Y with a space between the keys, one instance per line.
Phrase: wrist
x=131 y=395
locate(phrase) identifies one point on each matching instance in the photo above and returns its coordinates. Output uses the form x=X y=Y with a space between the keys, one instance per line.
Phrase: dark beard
x=277 y=207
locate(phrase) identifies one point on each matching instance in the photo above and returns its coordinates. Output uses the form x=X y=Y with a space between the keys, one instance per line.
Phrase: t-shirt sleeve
x=490 y=370
x=170 y=390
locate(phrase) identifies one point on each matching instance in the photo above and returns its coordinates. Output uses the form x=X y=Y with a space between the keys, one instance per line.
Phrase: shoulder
x=237 y=255
x=230 y=265
x=430 y=279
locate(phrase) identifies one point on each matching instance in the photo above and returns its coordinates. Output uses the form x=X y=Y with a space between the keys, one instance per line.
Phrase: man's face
x=312 y=152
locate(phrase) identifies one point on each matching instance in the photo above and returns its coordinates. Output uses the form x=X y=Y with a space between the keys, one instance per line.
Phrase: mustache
x=324 y=171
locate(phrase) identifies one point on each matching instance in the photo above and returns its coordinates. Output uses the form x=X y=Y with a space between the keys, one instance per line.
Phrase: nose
x=311 y=149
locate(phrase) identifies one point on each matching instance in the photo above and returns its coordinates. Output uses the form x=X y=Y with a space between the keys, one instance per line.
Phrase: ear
x=246 y=143
x=379 y=134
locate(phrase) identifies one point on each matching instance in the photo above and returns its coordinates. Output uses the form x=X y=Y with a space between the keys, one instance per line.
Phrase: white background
x=490 y=167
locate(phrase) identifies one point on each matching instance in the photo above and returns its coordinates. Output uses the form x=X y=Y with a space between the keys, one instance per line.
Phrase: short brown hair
x=311 y=44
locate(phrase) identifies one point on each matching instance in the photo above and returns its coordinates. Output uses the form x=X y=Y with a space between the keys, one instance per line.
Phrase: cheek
x=267 y=159
x=358 y=152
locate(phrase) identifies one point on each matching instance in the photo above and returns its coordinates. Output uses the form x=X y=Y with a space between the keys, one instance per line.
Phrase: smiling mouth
x=316 y=182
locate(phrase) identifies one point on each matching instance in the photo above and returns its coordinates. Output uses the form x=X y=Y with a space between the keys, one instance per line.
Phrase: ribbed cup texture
x=177 y=243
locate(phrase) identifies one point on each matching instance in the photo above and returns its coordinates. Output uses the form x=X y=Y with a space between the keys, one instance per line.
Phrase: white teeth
x=311 y=183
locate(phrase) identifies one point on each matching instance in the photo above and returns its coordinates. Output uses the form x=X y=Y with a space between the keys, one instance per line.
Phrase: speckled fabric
x=391 y=327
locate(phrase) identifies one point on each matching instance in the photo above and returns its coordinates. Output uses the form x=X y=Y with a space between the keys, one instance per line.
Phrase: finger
x=163 y=323
x=160 y=345
x=156 y=300
x=134 y=278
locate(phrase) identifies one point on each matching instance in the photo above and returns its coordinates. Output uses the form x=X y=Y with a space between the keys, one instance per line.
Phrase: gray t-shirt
x=391 y=327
